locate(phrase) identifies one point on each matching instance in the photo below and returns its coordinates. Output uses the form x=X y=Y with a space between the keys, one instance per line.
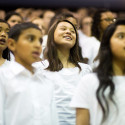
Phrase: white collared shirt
x=25 y=98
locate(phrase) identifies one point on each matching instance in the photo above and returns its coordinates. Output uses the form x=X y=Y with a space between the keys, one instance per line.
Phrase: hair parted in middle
x=51 y=50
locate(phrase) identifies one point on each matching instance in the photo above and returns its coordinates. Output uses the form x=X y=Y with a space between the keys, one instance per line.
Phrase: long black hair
x=105 y=69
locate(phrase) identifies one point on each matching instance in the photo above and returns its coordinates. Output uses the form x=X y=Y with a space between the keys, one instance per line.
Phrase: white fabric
x=65 y=82
x=12 y=58
x=44 y=44
x=25 y=98
x=41 y=65
x=82 y=36
x=85 y=97
x=5 y=63
x=90 y=47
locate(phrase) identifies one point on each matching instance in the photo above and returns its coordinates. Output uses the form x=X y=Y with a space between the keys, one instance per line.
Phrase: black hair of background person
x=96 y=23
x=11 y=13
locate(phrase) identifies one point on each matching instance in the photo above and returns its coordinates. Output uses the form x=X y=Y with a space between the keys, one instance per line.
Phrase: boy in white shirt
x=26 y=96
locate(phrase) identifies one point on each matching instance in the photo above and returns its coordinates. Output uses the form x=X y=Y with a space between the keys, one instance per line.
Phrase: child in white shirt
x=26 y=96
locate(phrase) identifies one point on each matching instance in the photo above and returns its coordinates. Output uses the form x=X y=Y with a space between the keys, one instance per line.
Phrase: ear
x=11 y=44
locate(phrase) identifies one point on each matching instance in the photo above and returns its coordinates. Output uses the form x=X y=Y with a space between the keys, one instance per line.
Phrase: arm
x=82 y=116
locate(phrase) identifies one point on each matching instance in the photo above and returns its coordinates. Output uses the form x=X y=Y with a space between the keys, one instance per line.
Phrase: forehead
x=49 y=13
x=107 y=14
x=87 y=19
x=73 y=20
x=4 y=25
x=31 y=31
x=65 y=24
x=120 y=28
x=38 y=21
x=15 y=17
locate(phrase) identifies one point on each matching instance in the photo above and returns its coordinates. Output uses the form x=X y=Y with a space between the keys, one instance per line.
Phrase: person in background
x=47 y=16
x=99 y=98
x=26 y=95
x=13 y=18
x=86 y=24
x=2 y=14
x=4 y=51
x=39 y=22
x=90 y=46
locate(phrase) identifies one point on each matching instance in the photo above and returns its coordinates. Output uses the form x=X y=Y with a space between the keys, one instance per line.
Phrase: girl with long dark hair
x=99 y=99
x=65 y=66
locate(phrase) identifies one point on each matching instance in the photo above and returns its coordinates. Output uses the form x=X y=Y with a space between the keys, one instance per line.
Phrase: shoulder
x=41 y=65
x=85 y=67
x=90 y=80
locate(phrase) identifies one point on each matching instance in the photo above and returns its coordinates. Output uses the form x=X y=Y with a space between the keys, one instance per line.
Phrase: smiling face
x=65 y=35
x=27 y=48
x=4 y=29
x=117 y=43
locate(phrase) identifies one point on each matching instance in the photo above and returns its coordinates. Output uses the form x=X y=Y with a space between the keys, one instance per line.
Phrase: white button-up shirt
x=25 y=98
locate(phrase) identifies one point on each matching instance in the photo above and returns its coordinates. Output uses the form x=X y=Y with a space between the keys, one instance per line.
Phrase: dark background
x=117 y=5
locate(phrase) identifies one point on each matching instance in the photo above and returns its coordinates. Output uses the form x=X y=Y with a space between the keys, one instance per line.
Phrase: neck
x=63 y=55
x=27 y=66
x=1 y=52
x=2 y=60
x=119 y=67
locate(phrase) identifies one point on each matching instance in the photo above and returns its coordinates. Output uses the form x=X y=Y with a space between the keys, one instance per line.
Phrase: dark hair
x=10 y=14
x=96 y=23
x=6 y=52
x=61 y=16
x=51 y=51
x=17 y=29
x=105 y=69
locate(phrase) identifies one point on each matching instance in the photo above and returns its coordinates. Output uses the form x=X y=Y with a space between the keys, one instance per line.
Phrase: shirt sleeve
x=82 y=96
x=2 y=101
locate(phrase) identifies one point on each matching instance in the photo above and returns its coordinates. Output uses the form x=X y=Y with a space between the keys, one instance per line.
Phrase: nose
x=4 y=34
x=68 y=31
x=38 y=44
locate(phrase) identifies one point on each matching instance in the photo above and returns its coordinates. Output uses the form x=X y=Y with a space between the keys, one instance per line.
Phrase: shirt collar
x=17 y=68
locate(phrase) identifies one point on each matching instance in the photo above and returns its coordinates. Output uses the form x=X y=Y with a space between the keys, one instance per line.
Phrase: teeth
x=67 y=37
x=2 y=40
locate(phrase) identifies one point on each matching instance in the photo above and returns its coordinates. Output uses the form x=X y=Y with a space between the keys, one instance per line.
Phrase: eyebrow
x=120 y=32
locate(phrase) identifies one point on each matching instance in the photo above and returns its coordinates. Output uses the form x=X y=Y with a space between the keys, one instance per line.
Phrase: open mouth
x=2 y=41
x=67 y=37
x=36 y=54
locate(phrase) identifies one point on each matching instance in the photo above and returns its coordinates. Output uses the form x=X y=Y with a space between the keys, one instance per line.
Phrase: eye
x=41 y=40
x=13 y=21
x=62 y=28
x=7 y=31
x=72 y=31
x=31 y=38
x=121 y=36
